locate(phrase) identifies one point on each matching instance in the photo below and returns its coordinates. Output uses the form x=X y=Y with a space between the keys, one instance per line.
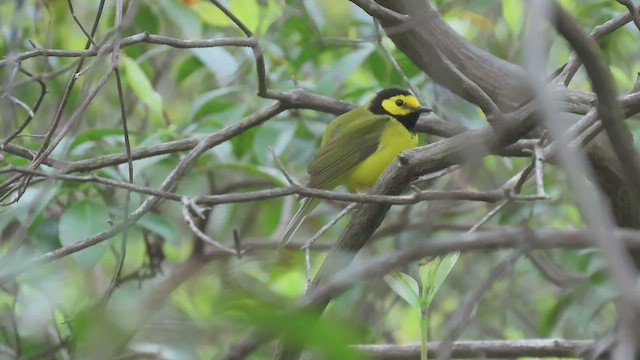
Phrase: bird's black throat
x=409 y=121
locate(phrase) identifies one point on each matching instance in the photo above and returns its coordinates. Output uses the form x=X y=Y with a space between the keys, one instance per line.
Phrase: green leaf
x=289 y=284
x=443 y=270
x=379 y=66
x=45 y=234
x=326 y=337
x=94 y=134
x=187 y=67
x=210 y=14
x=140 y=166
x=142 y=87
x=512 y=12
x=406 y=287
x=341 y=69
x=147 y=18
x=621 y=77
x=433 y=274
x=256 y=15
x=272 y=135
x=185 y=19
x=552 y=316
x=271 y=174
x=160 y=225
x=80 y=221
x=210 y=101
x=34 y=200
x=219 y=61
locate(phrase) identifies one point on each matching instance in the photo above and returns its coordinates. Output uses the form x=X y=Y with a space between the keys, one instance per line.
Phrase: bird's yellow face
x=400 y=105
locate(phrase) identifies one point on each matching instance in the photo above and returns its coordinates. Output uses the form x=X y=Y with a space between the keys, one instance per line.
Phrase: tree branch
x=609 y=108
x=144 y=37
x=479 y=349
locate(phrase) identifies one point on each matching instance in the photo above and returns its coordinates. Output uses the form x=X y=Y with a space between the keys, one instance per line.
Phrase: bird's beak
x=423 y=109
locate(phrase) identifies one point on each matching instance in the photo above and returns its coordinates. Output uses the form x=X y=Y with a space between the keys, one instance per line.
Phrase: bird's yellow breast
x=394 y=139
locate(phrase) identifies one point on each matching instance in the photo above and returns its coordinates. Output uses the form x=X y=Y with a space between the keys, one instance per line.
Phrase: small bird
x=357 y=146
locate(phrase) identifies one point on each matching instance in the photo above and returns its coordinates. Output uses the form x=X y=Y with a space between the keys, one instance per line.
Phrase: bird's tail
x=308 y=205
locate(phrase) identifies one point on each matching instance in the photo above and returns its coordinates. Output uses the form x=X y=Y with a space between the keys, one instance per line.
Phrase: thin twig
x=186 y=215
x=257 y=51
x=489 y=215
x=328 y=225
x=482 y=99
x=633 y=11
x=132 y=40
x=538 y=159
x=282 y=168
x=598 y=32
x=307 y=268
x=378 y=29
x=31 y=111
x=460 y=317
x=380 y=12
x=127 y=143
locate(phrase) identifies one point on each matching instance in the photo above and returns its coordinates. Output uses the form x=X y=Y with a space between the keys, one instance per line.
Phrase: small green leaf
x=83 y=219
x=406 y=287
x=433 y=274
x=141 y=86
x=443 y=270
x=426 y=273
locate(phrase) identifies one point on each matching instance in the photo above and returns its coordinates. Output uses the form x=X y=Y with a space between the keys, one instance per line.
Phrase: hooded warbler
x=357 y=146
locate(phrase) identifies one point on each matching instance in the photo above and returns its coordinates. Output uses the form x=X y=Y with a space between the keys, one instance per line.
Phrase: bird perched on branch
x=357 y=146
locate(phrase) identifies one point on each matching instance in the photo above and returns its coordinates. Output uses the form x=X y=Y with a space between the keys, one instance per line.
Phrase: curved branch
x=428 y=41
x=609 y=108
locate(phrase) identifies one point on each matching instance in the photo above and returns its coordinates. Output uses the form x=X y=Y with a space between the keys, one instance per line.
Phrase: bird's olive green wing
x=356 y=117
x=348 y=145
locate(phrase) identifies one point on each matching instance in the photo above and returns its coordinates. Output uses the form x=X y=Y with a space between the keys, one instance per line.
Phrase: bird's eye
x=399 y=102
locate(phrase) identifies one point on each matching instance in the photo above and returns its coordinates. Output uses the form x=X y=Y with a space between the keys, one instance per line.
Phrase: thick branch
x=429 y=42
x=480 y=349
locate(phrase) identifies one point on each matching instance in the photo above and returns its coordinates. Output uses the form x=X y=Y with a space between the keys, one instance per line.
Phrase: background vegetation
x=131 y=131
